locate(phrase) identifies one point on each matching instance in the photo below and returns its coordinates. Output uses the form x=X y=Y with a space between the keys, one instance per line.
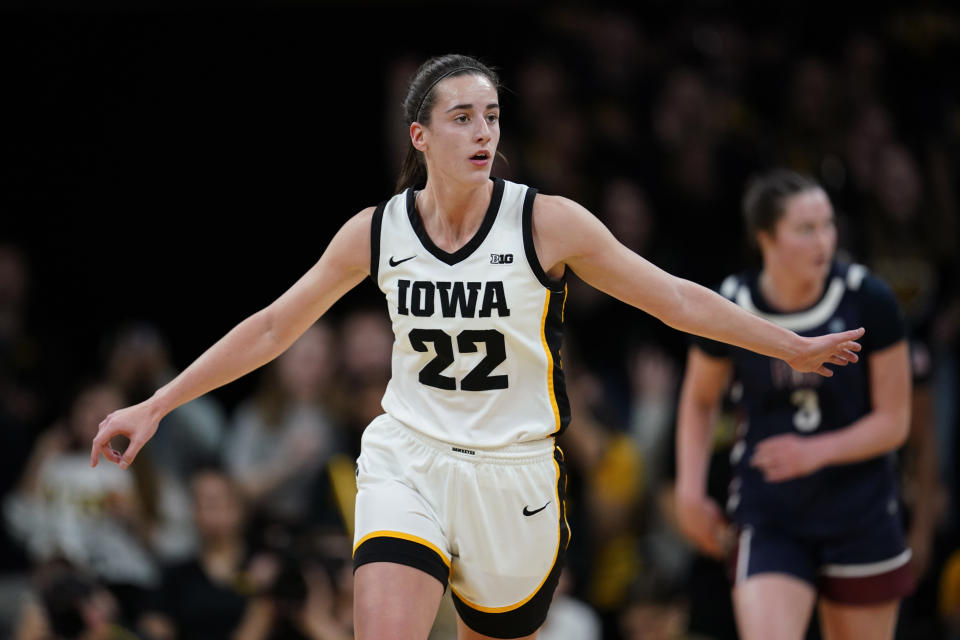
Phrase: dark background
x=184 y=163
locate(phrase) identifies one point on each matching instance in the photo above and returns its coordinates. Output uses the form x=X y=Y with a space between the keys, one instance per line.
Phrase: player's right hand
x=838 y=349
x=138 y=423
x=703 y=523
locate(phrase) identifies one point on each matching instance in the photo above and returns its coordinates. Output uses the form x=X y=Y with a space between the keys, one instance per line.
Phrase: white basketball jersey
x=477 y=333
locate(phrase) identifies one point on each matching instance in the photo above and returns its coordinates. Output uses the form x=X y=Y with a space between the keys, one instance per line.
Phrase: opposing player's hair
x=420 y=100
x=765 y=199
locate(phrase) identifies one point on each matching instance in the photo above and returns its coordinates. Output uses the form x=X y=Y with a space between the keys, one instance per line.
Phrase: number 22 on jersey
x=479 y=378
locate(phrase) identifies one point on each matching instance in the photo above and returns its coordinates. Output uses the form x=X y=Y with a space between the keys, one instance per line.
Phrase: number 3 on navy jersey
x=807 y=417
x=479 y=379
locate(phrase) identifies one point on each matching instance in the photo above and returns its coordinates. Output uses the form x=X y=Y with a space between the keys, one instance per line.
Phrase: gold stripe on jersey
x=563 y=307
x=407 y=537
x=543 y=339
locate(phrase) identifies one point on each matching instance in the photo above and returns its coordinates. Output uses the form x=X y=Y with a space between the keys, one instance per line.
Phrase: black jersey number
x=479 y=379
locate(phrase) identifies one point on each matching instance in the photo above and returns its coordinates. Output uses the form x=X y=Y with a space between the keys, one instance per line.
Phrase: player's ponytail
x=420 y=101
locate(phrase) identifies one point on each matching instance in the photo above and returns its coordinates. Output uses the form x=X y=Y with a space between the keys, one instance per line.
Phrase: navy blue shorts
x=869 y=566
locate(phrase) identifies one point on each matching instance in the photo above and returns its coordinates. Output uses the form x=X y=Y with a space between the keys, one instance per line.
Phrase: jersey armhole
x=554 y=284
x=375 y=225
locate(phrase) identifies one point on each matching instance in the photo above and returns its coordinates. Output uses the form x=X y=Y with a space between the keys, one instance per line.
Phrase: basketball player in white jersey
x=459 y=482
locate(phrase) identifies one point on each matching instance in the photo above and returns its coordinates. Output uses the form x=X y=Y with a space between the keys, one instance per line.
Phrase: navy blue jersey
x=775 y=400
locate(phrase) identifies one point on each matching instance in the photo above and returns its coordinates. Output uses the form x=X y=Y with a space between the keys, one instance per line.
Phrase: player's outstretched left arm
x=567 y=234
x=256 y=340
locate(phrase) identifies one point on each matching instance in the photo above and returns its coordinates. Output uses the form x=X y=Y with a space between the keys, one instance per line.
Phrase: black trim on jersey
x=529 y=248
x=553 y=335
x=405 y=552
x=471 y=246
x=376 y=223
x=530 y=616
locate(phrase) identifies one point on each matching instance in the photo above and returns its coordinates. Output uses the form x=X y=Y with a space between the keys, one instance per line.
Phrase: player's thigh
x=401 y=557
x=771 y=606
x=396 y=518
x=394 y=601
x=849 y=622
x=774 y=575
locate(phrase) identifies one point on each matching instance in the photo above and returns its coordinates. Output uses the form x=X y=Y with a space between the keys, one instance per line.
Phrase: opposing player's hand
x=834 y=348
x=138 y=423
x=704 y=524
x=785 y=457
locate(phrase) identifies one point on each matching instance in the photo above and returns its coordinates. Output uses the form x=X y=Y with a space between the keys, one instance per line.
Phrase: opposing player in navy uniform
x=814 y=495
x=459 y=482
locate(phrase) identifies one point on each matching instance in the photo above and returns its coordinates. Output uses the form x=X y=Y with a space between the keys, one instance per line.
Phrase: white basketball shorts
x=491 y=523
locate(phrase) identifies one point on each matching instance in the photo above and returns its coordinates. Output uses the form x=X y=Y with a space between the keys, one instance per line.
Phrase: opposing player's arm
x=255 y=341
x=699 y=517
x=704 y=382
x=566 y=234
x=887 y=425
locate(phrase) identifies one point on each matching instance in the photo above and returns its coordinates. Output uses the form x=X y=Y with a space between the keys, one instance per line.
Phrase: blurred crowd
x=236 y=520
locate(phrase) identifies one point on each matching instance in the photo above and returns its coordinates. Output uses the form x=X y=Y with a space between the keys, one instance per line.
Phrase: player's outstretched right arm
x=257 y=340
x=567 y=234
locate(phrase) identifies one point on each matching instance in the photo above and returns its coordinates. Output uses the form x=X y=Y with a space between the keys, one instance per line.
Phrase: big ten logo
x=501 y=258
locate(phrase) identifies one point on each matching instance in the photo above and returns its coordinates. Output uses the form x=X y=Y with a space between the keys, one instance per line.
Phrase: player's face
x=461 y=141
x=804 y=238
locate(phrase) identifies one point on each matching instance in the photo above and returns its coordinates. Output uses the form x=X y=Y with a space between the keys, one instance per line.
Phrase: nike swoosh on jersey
x=394 y=263
x=527 y=512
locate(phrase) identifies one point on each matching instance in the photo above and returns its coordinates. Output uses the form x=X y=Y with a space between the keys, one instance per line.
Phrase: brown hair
x=421 y=99
x=766 y=196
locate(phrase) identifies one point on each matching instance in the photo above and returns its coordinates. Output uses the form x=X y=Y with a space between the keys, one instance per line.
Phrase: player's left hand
x=785 y=457
x=834 y=348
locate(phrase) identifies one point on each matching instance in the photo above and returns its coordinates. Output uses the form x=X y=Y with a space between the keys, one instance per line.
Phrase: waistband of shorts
x=517 y=452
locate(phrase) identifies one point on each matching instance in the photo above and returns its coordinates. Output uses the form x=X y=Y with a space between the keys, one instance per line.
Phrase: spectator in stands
x=206 y=596
x=280 y=439
x=72 y=605
x=96 y=519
